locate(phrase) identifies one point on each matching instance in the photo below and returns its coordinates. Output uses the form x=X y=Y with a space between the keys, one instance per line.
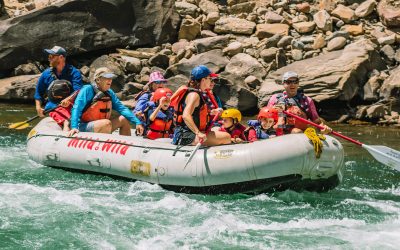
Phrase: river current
x=47 y=208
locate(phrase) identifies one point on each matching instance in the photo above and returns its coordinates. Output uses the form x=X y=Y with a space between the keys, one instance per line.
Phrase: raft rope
x=316 y=140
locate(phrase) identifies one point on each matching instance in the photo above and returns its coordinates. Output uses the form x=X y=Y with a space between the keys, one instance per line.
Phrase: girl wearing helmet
x=265 y=126
x=160 y=115
x=231 y=124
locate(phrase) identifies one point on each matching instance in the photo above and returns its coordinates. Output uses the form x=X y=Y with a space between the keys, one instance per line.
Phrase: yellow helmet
x=232 y=113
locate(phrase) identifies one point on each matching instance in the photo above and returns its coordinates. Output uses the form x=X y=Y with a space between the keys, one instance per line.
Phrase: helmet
x=232 y=113
x=268 y=113
x=161 y=92
x=59 y=90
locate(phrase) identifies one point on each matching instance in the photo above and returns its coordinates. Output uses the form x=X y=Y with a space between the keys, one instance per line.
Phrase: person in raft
x=92 y=108
x=160 y=115
x=156 y=81
x=231 y=124
x=265 y=126
x=193 y=112
x=294 y=101
x=57 y=83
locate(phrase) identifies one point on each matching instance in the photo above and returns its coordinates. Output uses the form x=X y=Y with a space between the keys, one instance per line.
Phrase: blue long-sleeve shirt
x=69 y=73
x=141 y=103
x=85 y=97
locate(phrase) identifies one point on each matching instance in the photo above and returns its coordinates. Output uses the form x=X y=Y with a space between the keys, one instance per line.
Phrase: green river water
x=46 y=208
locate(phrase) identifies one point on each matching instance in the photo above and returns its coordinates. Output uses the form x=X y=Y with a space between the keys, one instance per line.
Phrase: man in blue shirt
x=58 y=70
x=92 y=108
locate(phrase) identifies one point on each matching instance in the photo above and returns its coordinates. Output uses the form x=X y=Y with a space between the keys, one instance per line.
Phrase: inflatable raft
x=285 y=162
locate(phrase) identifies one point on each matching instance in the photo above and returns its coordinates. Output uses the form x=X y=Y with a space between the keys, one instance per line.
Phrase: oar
x=208 y=130
x=383 y=154
x=25 y=124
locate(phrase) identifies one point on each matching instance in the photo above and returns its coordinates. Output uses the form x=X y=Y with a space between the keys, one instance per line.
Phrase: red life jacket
x=200 y=114
x=236 y=132
x=295 y=122
x=62 y=114
x=159 y=129
x=99 y=108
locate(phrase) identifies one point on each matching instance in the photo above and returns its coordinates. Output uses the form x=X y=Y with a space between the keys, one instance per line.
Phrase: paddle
x=25 y=124
x=383 y=154
x=211 y=96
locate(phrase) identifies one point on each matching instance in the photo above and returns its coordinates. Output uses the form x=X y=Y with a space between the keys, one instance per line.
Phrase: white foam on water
x=393 y=190
x=385 y=206
x=314 y=224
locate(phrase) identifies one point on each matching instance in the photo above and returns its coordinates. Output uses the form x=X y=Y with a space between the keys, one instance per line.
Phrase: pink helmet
x=157 y=77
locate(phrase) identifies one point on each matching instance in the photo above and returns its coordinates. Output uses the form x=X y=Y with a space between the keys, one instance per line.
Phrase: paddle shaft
x=321 y=127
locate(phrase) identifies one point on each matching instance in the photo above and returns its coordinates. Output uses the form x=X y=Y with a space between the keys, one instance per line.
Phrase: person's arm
x=84 y=96
x=155 y=112
x=122 y=109
x=252 y=135
x=192 y=101
x=39 y=93
x=76 y=79
x=141 y=103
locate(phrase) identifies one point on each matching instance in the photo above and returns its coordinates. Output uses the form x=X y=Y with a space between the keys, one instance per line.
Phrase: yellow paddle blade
x=19 y=125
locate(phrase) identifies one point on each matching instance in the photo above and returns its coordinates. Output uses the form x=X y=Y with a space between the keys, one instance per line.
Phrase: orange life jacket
x=99 y=108
x=159 y=129
x=200 y=114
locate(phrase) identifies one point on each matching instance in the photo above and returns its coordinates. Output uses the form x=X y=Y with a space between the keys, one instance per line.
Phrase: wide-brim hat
x=104 y=72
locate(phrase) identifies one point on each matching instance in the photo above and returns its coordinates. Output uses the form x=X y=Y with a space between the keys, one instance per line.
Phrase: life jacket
x=61 y=114
x=260 y=132
x=297 y=105
x=237 y=129
x=59 y=89
x=99 y=108
x=200 y=114
x=161 y=128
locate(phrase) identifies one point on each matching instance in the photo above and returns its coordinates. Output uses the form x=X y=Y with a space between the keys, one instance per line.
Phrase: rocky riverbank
x=347 y=52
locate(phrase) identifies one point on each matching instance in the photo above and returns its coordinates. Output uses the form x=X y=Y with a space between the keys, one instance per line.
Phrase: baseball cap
x=200 y=72
x=289 y=74
x=104 y=72
x=56 y=50
x=213 y=75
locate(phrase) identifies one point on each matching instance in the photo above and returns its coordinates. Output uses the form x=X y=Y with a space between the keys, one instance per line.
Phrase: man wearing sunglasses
x=58 y=70
x=294 y=101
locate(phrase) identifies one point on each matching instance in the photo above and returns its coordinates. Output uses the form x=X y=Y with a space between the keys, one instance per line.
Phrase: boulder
x=391 y=85
x=181 y=44
x=234 y=25
x=304 y=27
x=344 y=13
x=190 y=29
x=26 y=69
x=84 y=26
x=207 y=6
x=323 y=20
x=212 y=17
x=243 y=65
x=18 y=88
x=319 y=42
x=269 y=55
x=389 y=13
x=375 y=111
x=214 y=59
x=336 y=43
x=159 y=60
x=331 y=76
x=371 y=88
x=272 y=17
x=210 y=43
x=233 y=48
x=328 y=5
x=354 y=30
x=246 y=7
x=175 y=82
x=365 y=8
x=268 y=30
x=184 y=8
x=131 y=64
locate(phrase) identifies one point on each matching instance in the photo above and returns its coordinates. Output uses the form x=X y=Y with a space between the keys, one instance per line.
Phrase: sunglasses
x=159 y=82
x=291 y=82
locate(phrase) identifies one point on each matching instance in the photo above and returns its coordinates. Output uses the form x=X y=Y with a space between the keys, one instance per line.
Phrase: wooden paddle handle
x=321 y=127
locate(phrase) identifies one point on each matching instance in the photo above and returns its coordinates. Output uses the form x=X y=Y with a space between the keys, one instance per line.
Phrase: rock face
x=335 y=75
x=86 y=25
x=391 y=86
x=18 y=88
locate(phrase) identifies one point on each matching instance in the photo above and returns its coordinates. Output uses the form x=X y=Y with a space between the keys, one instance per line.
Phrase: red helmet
x=268 y=113
x=161 y=92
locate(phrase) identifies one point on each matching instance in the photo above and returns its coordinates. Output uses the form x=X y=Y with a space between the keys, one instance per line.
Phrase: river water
x=46 y=208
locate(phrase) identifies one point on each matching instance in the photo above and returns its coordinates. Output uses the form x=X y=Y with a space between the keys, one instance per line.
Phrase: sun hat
x=156 y=77
x=104 y=72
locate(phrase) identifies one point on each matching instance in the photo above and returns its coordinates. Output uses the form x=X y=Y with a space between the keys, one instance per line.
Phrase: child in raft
x=231 y=124
x=160 y=115
x=266 y=125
